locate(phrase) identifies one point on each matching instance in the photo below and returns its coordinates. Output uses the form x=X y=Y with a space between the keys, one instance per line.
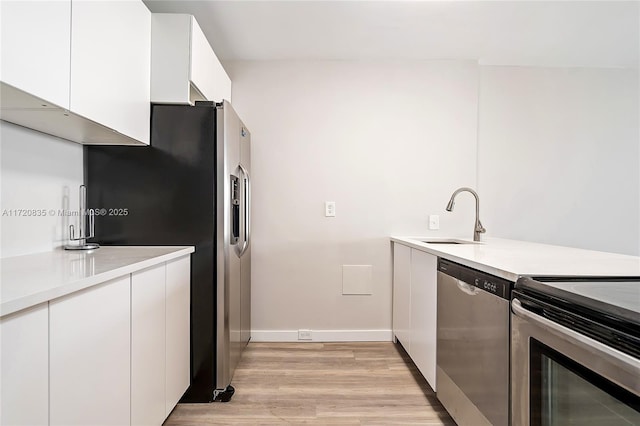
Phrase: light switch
x=329 y=208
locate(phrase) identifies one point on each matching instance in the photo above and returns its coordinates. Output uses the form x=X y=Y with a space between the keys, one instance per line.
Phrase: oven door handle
x=574 y=337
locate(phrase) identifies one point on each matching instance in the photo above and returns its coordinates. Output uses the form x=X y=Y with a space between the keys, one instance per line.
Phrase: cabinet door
x=207 y=73
x=110 y=65
x=402 y=295
x=424 y=272
x=90 y=356
x=170 y=58
x=36 y=40
x=184 y=68
x=178 y=346
x=148 y=346
x=25 y=367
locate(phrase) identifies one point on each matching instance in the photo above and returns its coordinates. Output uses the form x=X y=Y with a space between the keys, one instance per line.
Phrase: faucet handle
x=480 y=228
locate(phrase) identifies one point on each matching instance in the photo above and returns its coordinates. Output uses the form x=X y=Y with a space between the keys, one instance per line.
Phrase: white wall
x=559 y=156
x=388 y=142
x=38 y=172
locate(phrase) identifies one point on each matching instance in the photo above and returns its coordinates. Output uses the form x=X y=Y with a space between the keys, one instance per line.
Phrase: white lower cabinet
x=148 y=343
x=178 y=320
x=414 y=306
x=89 y=356
x=402 y=295
x=424 y=267
x=160 y=340
x=117 y=353
x=25 y=367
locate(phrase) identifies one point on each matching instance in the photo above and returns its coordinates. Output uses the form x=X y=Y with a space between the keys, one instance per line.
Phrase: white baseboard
x=323 y=336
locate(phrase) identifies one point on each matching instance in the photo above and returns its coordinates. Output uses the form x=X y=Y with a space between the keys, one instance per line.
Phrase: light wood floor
x=322 y=384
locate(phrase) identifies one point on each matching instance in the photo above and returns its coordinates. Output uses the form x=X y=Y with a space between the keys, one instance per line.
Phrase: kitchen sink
x=441 y=242
x=445 y=241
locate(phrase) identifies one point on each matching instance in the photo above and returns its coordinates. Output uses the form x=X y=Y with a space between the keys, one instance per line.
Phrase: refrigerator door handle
x=247 y=209
x=235 y=211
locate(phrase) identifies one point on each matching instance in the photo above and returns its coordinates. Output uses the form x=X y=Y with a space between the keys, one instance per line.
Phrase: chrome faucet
x=478 y=228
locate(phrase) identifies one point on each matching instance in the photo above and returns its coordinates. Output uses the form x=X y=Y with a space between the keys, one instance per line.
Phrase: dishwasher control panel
x=487 y=282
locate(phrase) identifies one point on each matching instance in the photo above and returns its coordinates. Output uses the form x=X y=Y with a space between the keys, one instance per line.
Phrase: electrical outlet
x=330 y=208
x=434 y=221
x=304 y=335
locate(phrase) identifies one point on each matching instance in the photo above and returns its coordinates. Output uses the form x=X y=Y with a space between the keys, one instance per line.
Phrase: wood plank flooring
x=322 y=384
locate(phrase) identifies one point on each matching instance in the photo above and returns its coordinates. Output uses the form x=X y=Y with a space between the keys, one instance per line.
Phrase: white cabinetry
x=116 y=353
x=414 y=306
x=25 y=367
x=184 y=68
x=110 y=65
x=148 y=346
x=160 y=344
x=35 y=48
x=402 y=295
x=178 y=302
x=76 y=69
x=90 y=356
x=423 y=313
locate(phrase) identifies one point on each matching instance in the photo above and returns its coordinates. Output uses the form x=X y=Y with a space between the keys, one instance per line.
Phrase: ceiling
x=528 y=33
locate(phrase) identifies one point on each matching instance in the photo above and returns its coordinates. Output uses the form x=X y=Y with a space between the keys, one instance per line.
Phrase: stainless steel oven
x=575 y=350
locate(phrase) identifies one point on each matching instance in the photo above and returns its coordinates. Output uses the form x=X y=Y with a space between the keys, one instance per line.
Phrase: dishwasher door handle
x=467 y=288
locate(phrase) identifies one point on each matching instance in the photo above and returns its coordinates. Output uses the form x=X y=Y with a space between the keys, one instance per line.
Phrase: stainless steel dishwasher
x=472 y=373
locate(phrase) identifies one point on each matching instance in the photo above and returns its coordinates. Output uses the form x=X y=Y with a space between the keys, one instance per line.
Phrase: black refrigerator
x=191 y=186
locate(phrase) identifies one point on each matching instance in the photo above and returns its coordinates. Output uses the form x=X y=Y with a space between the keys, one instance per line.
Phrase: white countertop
x=510 y=259
x=28 y=280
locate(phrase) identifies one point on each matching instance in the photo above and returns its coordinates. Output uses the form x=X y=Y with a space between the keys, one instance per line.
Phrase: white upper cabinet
x=77 y=69
x=207 y=74
x=110 y=65
x=184 y=68
x=35 y=48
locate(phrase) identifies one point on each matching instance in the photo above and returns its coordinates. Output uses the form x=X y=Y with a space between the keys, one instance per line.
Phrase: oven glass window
x=564 y=392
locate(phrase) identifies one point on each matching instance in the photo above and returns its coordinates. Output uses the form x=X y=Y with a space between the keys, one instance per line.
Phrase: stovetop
x=615 y=297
